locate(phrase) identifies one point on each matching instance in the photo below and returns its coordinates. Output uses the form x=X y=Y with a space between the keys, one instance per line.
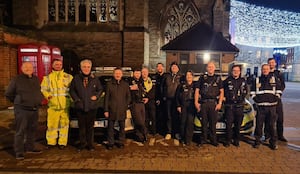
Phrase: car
x=247 y=126
x=106 y=73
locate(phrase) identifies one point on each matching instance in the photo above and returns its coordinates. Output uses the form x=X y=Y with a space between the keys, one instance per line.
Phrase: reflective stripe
x=278 y=91
x=265 y=92
x=55 y=95
x=266 y=104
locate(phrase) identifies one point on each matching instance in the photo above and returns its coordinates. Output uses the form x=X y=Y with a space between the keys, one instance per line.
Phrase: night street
x=163 y=155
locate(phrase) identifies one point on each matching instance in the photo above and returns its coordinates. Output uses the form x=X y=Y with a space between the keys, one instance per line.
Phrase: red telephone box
x=38 y=55
x=55 y=53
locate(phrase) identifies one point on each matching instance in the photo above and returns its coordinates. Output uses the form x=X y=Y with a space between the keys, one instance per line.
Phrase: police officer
x=170 y=84
x=149 y=87
x=160 y=104
x=209 y=91
x=265 y=92
x=235 y=91
x=279 y=108
x=185 y=106
x=139 y=98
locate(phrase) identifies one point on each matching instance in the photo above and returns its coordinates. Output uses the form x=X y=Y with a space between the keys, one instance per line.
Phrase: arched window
x=51 y=10
x=93 y=10
x=61 y=10
x=179 y=17
x=71 y=10
x=82 y=11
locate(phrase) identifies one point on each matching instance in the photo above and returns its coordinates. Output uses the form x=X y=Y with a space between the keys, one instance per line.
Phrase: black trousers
x=150 y=116
x=86 y=127
x=234 y=115
x=173 y=120
x=279 y=122
x=209 y=115
x=161 y=118
x=266 y=113
x=138 y=115
x=187 y=121
x=111 y=135
x=26 y=128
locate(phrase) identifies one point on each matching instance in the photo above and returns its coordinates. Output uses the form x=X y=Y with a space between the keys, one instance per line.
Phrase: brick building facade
x=111 y=32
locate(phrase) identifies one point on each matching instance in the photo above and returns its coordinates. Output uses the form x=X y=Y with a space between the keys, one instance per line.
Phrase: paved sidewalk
x=161 y=156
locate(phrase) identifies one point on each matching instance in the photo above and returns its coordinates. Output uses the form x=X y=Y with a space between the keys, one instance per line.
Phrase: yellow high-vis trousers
x=57 y=127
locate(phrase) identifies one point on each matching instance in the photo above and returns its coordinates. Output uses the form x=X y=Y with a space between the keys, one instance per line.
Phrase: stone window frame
x=174 y=19
x=110 y=6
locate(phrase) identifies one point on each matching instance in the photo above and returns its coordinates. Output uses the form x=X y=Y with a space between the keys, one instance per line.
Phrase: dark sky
x=289 y=5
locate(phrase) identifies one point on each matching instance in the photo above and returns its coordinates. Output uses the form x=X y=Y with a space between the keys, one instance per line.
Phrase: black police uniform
x=150 y=105
x=160 y=103
x=265 y=92
x=209 y=87
x=279 y=109
x=185 y=99
x=235 y=91
x=170 y=84
x=138 y=109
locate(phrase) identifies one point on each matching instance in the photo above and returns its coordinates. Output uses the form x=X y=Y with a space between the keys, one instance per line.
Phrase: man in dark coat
x=25 y=92
x=85 y=90
x=117 y=100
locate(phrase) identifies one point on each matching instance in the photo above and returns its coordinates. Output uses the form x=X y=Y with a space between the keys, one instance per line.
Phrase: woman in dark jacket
x=117 y=99
x=85 y=90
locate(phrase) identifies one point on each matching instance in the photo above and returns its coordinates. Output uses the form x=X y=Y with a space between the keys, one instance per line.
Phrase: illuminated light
x=206 y=58
x=28 y=50
x=264 y=27
x=56 y=52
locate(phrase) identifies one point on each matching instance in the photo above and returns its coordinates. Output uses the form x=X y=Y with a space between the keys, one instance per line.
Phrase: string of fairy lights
x=264 y=27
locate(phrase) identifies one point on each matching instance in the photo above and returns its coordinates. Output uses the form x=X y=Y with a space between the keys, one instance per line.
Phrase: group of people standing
x=163 y=103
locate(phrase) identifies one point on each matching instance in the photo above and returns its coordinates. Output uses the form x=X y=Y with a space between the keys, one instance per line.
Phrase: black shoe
x=50 y=146
x=92 y=148
x=109 y=147
x=34 y=151
x=216 y=144
x=226 y=144
x=236 y=143
x=273 y=146
x=61 y=147
x=199 y=145
x=80 y=148
x=283 y=139
x=120 y=145
x=20 y=157
x=256 y=145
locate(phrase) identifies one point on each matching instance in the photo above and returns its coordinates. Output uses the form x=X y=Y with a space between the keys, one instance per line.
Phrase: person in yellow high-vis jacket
x=55 y=88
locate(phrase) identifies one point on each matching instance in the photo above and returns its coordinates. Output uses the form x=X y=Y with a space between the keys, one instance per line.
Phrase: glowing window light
x=206 y=58
x=264 y=27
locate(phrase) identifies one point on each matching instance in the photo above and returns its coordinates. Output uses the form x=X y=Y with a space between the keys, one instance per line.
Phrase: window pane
x=71 y=11
x=103 y=10
x=199 y=59
x=216 y=59
x=82 y=10
x=61 y=8
x=113 y=10
x=51 y=10
x=184 y=59
x=93 y=11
